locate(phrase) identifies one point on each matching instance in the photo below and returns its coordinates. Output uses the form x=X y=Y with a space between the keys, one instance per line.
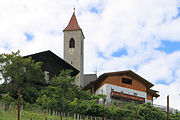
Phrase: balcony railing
x=126 y=97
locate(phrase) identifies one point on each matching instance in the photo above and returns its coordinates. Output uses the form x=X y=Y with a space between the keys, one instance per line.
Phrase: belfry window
x=72 y=43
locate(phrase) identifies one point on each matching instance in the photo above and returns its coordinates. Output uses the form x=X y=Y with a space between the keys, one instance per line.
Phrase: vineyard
x=10 y=113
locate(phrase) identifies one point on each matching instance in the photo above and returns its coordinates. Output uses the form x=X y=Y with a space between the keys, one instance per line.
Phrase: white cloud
x=135 y=25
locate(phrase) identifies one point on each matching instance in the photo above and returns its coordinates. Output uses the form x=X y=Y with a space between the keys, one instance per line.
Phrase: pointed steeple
x=73 y=24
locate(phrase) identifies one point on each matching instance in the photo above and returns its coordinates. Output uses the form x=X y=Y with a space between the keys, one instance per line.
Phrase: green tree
x=62 y=94
x=121 y=113
x=175 y=116
x=91 y=108
x=24 y=73
x=148 y=112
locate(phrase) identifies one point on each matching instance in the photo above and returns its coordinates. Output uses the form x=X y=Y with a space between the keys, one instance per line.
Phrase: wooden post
x=74 y=116
x=168 y=107
x=61 y=115
x=106 y=117
x=19 y=104
x=83 y=117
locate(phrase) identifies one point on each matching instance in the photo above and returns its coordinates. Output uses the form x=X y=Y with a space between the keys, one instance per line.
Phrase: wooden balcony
x=126 y=97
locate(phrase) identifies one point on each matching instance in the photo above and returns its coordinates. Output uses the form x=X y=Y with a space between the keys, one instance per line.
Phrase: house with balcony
x=123 y=86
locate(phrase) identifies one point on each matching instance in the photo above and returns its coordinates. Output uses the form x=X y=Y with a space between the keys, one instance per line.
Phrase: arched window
x=72 y=43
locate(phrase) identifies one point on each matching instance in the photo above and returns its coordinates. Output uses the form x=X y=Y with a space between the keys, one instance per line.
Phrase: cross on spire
x=74 y=8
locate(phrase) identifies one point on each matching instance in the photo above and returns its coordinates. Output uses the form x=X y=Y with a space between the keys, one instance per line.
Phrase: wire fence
x=11 y=112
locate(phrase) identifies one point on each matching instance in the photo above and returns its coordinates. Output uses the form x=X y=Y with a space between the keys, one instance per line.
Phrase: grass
x=11 y=114
x=27 y=115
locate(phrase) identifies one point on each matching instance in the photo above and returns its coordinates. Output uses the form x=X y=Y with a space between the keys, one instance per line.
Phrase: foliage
x=3 y=89
x=175 y=116
x=61 y=93
x=98 y=97
x=122 y=113
x=7 y=100
x=24 y=73
x=91 y=108
x=149 y=112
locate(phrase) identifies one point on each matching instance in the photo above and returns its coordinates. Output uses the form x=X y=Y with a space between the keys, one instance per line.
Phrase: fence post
x=68 y=116
x=61 y=115
x=83 y=117
x=168 y=107
x=74 y=116
x=106 y=117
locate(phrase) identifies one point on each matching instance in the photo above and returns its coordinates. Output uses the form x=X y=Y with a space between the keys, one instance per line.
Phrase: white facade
x=106 y=89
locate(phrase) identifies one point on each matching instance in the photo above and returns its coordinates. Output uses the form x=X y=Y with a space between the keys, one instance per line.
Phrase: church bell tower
x=74 y=47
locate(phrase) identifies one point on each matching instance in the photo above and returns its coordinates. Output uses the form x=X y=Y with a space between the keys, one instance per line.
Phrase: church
x=117 y=86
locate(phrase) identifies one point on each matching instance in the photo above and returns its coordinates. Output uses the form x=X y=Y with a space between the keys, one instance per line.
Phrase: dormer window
x=72 y=43
x=127 y=81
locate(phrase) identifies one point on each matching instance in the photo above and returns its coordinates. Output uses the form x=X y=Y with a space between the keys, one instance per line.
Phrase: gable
x=116 y=79
x=52 y=63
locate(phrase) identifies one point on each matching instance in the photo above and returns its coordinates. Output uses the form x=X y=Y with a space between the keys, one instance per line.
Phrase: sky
x=138 y=35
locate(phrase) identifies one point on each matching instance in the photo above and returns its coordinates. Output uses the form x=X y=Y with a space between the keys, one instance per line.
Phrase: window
x=46 y=75
x=72 y=43
x=127 y=81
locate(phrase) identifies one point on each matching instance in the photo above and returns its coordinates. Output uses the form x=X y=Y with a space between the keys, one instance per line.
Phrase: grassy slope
x=27 y=115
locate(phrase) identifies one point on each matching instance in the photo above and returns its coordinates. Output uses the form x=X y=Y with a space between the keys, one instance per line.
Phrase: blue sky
x=115 y=36
x=169 y=47
x=29 y=37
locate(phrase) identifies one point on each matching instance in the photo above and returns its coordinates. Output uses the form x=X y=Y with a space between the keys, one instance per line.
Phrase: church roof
x=73 y=24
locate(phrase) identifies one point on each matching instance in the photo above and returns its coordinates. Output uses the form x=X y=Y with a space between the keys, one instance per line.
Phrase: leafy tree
x=24 y=73
x=123 y=113
x=98 y=97
x=61 y=93
x=175 y=116
x=91 y=108
x=3 y=89
x=148 y=112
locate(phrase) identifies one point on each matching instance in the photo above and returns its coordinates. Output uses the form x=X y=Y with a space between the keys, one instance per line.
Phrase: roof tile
x=73 y=24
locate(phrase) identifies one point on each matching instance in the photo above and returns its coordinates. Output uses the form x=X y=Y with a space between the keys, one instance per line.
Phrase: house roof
x=154 y=93
x=52 y=63
x=89 y=78
x=102 y=77
x=73 y=24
